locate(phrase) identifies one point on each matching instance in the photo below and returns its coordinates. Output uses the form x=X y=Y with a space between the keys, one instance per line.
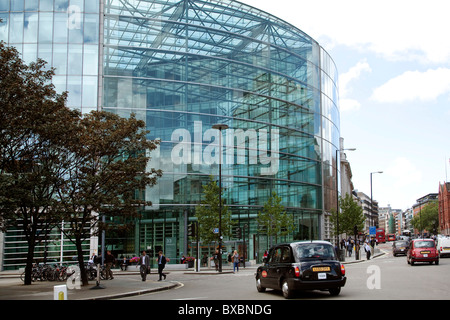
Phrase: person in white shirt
x=144 y=263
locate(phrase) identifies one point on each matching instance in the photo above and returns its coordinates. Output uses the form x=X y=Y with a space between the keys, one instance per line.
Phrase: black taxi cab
x=304 y=265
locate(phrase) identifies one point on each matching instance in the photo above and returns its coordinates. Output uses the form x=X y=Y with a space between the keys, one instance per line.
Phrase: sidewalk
x=124 y=284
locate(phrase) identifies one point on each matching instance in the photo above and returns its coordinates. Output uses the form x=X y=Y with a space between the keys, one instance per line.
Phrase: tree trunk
x=84 y=279
x=29 y=265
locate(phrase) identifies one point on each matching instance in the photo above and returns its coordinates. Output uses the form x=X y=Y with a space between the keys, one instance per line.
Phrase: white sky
x=393 y=59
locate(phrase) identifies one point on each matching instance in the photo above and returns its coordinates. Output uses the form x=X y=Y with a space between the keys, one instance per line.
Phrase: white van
x=443 y=246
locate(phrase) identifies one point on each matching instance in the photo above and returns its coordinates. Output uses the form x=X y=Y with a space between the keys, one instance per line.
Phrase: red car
x=422 y=250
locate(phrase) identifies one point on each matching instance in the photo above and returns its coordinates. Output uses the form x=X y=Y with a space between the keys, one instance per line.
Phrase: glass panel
x=91 y=6
x=45 y=27
x=45 y=53
x=29 y=53
x=31 y=27
x=31 y=5
x=4 y=26
x=74 y=91
x=60 y=58
x=61 y=5
x=46 y=5
x=79 y=4
x=75 y=60
x=16 y=28
x=90 y=60
x=60 y=28
x=4 y=5
x=89 y=92
x=17 y=5
x=91 y=28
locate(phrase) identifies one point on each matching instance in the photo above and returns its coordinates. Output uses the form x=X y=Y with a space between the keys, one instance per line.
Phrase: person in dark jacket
x=109 y=261
x=144 y=263
x=161 y=260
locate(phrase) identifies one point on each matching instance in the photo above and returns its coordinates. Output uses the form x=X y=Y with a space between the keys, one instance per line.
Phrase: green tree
x=107 y=176
x=427 y=218
x=207 y=213
x=273 y=219
x=34 y=124
x=351 y=215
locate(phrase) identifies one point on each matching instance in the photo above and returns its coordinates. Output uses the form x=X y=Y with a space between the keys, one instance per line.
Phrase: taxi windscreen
x=315 y=251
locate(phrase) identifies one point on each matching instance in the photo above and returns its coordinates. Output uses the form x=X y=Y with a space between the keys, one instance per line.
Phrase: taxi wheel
x=259 y=287
x=287 y=292
x=335 y=291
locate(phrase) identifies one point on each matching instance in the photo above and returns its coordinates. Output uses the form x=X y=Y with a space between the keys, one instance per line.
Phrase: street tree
x=207 y=213
x=107 y=177
x=427 y=218
x=273 y=219
x=351 y=215
x=34 y=124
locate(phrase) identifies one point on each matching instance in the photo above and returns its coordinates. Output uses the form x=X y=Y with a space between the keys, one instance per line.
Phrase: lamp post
x=220 y=127
x=338 y=164
x=371 y=200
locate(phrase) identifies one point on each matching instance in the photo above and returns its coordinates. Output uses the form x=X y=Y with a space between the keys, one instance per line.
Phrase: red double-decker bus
x=381 y=235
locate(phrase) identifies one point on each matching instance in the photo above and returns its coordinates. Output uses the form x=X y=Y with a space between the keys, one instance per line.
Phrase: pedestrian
x=368 y=250
x=144 y=263
x=109 y=261
x=266 y=254
x=161 y=260
x=235 y=261
x=350 y=248
x=342 y=244
x=124 y=264
x=205 y=260
x=215 y=258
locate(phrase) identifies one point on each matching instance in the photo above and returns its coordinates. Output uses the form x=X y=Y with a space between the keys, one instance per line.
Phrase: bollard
x=60 y=292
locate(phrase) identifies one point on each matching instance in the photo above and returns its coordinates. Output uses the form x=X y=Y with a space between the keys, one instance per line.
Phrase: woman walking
x=235 y=261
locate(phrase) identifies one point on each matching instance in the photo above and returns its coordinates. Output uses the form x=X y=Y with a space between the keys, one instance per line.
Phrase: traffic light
x=238 y=233
x=192 y=229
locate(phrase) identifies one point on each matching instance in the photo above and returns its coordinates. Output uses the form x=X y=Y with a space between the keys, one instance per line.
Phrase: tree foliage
x=107 y=175
x=33 y=126
x=273 y=220
x=58 y=165
x=351 y=215
x=427 y=218
x=207 y=213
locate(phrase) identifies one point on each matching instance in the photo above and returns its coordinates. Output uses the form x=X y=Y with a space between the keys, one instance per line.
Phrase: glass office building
x=183 y=66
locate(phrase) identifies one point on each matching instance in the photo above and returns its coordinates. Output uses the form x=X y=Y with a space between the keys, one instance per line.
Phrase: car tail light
x=342 y=270
x=297 y=272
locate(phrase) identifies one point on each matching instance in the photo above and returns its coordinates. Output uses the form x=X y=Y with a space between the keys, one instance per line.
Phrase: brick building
x=444 y=208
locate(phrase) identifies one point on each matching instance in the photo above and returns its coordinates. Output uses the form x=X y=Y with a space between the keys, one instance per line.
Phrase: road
x=383 y=278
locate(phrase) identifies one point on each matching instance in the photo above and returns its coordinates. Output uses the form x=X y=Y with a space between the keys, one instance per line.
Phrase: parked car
x=422 y=250
x=443 y=246
x=305 y=265
x=400 y=247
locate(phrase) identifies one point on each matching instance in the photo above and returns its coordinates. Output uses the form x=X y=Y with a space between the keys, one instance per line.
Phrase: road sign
x=373 y=231
x=216 y=230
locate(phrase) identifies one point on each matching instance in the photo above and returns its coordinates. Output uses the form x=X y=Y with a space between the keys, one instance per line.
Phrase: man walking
x=109 y=261
x=161 y=264
x=144 y=263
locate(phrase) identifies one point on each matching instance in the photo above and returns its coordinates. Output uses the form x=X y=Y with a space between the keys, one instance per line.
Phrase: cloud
x=400 y=30
x=414 y=85
x=347 y=105
x=354 y=73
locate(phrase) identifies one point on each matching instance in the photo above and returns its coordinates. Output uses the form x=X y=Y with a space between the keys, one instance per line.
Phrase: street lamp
x=338 y=163
x=220 y=127
x=371 y=200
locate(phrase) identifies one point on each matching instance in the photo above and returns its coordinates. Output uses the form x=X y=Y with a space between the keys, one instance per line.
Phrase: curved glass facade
x=183 y=66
